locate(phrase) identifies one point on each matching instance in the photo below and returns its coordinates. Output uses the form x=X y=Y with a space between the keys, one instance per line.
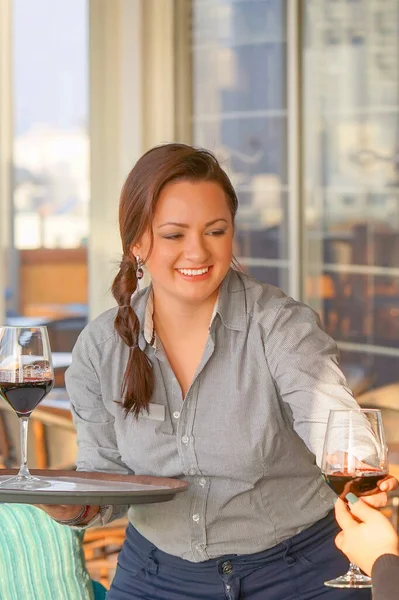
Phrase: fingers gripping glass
x=26 y=377
x=354 y=460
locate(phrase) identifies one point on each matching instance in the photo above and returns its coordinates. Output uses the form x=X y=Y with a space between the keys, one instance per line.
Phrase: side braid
x=138 y=383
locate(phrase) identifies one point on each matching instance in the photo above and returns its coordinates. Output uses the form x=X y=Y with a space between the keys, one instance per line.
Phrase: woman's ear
x=134 y=250
x=142 y=247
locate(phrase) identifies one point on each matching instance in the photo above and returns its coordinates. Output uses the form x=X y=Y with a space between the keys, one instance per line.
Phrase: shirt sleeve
x=96 y=439
x=385 y=577
x=303 y=361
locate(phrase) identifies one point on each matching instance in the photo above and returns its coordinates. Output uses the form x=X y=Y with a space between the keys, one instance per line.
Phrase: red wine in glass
x=354 y=460
x=363 y=483
x=24 y=396
x=26 y=377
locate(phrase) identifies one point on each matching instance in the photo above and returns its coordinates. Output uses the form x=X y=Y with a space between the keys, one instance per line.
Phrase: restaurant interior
x=299 y=99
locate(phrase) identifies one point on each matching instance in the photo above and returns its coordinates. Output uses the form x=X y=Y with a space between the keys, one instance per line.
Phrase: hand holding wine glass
x=26 y=377
x=354 y=461
x=366 y=533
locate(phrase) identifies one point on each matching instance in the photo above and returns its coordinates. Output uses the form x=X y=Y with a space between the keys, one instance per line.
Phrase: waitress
x=210 y=376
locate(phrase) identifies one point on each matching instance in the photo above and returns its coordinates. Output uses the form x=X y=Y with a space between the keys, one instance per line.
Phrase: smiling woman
x=198 y=249
x=176 y=215
x=226 y=383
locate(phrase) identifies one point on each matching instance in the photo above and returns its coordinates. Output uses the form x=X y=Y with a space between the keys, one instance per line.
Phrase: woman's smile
x=195 y=274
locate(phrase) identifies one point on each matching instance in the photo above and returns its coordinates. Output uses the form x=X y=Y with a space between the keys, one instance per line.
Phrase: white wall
x=132 y=108
x=5 y=144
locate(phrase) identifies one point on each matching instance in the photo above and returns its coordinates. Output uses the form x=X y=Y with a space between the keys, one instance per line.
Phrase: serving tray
x=80 y=487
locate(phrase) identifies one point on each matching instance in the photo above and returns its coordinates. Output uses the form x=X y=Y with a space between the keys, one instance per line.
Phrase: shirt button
x=184 y=439
x=227 y=568
x=176 y=415
x=202 y=481
x=196 y=517
x=192 y=472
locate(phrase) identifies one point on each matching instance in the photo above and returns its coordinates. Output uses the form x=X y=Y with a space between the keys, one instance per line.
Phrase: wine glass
x=26 y=377
x=354 y=460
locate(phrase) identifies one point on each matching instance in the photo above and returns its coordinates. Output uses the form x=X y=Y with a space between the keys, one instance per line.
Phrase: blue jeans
x=293 y=570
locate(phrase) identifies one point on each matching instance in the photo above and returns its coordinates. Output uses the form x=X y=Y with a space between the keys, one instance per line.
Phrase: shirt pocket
x=140 y=440
x=157 y=419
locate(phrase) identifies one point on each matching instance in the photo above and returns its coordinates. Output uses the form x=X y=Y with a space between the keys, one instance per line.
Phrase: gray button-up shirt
x=245 y=437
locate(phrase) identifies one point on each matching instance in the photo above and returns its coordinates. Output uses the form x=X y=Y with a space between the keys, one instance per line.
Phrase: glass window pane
x=364 y=370
x=261 y=223
x=351 y=174
x=47 y=262
x=240 y=112
x=51 y=144
x=277 y=275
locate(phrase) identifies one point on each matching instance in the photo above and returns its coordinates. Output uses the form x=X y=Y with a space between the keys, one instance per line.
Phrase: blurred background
x=299 y=99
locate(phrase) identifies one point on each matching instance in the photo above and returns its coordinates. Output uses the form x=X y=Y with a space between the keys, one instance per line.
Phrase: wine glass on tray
x=26 y=377
x=354 y=460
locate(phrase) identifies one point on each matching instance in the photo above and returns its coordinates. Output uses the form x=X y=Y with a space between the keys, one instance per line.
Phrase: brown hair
x=153 y=171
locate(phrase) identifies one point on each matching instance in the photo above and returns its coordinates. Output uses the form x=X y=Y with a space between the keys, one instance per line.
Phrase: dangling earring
x=139 y=268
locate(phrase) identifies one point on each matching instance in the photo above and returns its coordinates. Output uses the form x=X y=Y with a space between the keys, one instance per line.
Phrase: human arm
x=303 y=361
x=66 y=512
x=369 y=540
x=96 y=439
x=385 y=577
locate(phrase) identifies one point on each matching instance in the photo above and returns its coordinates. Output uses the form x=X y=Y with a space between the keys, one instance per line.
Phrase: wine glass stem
x=23 y=429
x=354 y=570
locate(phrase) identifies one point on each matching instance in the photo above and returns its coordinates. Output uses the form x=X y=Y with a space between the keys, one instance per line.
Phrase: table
x=27 y=321
x=61 y=360
x=358 y=377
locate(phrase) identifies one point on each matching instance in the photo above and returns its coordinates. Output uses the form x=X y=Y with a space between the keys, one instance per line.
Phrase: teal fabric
x=100 y=591
x=40 y=559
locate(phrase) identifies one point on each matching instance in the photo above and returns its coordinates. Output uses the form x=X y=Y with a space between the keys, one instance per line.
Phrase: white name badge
x=155 y=412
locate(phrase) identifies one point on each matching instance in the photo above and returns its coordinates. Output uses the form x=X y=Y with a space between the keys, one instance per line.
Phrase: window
x=239 y=62
x=51 y=144
x=243 y=52
x=47 y=261
x=351 y=160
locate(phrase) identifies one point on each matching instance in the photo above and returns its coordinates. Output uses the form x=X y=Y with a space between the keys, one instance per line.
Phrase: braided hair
x=153 y=171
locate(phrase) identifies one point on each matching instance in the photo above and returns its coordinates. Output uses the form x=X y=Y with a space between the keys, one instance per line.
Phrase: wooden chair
x=101 y=546
x=64 y=332
x=52 y=437
x=7 y=449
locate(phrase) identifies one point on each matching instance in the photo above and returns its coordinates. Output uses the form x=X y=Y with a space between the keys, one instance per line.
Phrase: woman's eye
x=217 y=232
x=173 y=236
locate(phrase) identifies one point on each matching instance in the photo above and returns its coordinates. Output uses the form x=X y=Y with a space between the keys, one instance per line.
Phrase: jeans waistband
x=320 y=530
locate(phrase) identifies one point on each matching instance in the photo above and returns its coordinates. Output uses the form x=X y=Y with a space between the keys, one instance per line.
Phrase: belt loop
x=152 y=565
x=287 y=557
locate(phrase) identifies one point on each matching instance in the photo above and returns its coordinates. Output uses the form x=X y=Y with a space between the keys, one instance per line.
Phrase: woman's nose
x=196 y=249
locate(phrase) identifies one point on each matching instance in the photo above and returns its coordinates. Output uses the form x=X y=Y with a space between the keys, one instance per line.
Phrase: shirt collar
x=230 y=306
x=139 y=303
x=148 y=325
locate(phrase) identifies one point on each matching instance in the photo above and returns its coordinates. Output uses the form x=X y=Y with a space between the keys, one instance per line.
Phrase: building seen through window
x=49 y=225
x=349 y=156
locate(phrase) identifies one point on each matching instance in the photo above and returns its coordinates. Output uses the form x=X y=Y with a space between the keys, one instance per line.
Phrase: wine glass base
x=351 y=580
x=22 y=482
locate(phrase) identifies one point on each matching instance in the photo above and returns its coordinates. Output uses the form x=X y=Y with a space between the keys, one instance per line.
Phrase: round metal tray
x=79 y=487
